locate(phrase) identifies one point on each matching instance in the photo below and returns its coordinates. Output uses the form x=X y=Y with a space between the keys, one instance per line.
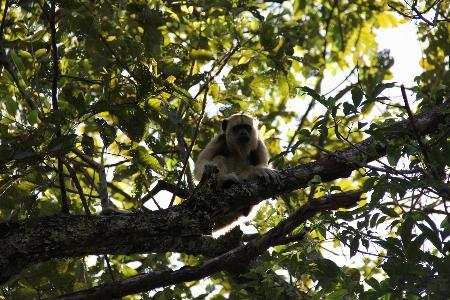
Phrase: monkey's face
x=241 y=133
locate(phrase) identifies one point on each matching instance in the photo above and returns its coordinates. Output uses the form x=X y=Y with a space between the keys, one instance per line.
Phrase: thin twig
x=73 y=175
x=83 y=79
x=55 y=76
x=108 y=265
x=124 y=65
x=424 y=148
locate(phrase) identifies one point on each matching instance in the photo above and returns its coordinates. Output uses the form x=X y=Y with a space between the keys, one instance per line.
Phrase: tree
x=108 y=103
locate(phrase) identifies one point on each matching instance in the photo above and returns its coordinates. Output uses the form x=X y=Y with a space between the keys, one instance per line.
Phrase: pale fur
x=235 y=161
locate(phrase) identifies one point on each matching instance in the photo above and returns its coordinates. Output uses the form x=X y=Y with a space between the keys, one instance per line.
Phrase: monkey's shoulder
x=220 y=141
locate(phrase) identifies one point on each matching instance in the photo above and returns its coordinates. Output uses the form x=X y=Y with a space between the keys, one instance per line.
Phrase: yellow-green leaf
x=386 y=19
x=20 y=66
x=40 y=52
x=128 y=272
x=33 y=117
x=24 y=53
x=201 y=54
x=38 y=35
x=154 y=103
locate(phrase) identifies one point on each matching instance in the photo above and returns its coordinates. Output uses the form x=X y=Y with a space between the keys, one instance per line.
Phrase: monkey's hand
x=269 y=175
x=211 y=168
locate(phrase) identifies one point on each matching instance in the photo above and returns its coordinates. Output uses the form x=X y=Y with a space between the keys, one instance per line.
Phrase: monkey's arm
x=212 y=160
x=260 y=166
x=206 y=156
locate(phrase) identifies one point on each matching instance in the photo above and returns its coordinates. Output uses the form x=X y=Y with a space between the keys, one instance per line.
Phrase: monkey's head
x=241 y=133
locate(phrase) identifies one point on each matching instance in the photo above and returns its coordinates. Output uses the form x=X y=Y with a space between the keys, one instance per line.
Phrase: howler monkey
x=239 y=154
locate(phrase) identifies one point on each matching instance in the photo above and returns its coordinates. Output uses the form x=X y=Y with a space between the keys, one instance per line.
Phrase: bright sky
x=406 y=50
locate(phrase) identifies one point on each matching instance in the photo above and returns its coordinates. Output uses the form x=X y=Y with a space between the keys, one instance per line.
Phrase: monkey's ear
x=224 y=125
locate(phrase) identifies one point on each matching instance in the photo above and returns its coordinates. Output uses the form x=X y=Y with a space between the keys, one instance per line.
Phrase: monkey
x=237 y=154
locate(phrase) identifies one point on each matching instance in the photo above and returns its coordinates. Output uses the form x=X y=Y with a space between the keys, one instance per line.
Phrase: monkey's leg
x=228 y=180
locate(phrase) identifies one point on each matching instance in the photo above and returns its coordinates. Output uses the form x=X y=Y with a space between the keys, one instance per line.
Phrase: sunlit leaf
x=11 y=106
x=20 y=66
x=33 y=117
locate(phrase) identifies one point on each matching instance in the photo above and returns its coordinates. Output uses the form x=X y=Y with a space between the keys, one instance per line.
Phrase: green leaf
x=361 y=125
x=11 y=106
x=438 y=90
x=20 y=66
x=328 y=267
x=24 y=53
x=263 y=82
x=337 y=294
x=432 y=236
x=304 y=132
x=87 y=143
x=389 y=211
x=107 y=132
x=413 y=251
x=283 y=85
x=378 y=136
x=128 y=272
x=241 y=71
x=373 y=283
x=406 y=230
x=148 y=160
x=40 y=52
x=429 y=221
x=369 y=183
x=38 y=35
x=420 y=95
x=251 y=275
x=47 y=208
x=125 y=172
x=316 y=96
x=374 y=219
x=33 y=117
x=357 y=96
x=391 y=245
x=354 y=246
x=201 y=55
x=268 y=37
x=379 y=88
x=316 y=180
x=348 y=108
x=23 y=155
